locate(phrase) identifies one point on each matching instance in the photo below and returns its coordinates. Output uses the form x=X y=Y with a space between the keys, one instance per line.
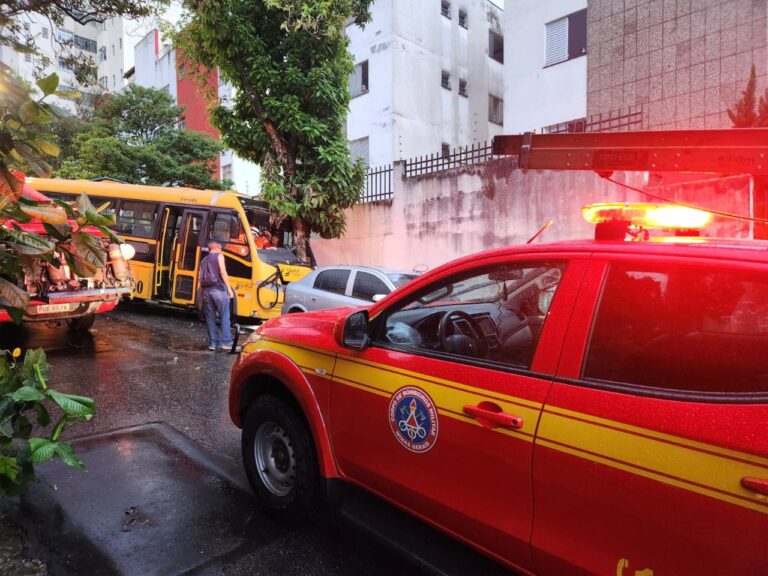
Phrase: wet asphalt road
x=145 y=363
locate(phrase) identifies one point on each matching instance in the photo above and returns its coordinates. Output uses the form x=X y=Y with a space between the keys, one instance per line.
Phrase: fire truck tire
x=81 y=323
x=280 y=461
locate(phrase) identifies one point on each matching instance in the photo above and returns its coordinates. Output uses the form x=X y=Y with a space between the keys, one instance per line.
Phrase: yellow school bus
x=170 y=228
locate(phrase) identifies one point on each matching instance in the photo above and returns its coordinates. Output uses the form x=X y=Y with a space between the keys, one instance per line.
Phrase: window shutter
x=557 y=42
x=359 y=149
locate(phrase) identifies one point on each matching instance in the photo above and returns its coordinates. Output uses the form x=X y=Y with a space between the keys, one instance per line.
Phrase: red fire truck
x=580 y=407
x=58 y=294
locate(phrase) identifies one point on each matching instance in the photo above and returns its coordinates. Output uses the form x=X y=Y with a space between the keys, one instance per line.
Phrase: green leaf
x=84 y=204
x=74 y=405
x=27 y=394
x=6 y=428
x=46 y=147
x=12 y=296
x=47 y=214
x=9 y=467
x=49 y=84
x=30 y=243
x=41 y=449
x=43 y=417
x=67 y=455
x=29 y=112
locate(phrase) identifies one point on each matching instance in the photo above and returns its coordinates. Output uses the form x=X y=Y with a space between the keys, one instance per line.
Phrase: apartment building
x=646 y=64
x=115 y=59
x=428 y=78
x=54 y=42
x=545 y=81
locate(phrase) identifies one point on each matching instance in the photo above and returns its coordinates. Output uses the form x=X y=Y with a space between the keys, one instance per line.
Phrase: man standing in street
x=216 y=294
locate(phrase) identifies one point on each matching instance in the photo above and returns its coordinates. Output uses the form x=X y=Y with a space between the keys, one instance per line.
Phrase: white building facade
x=546 y=65
x=54 y=43
x=428 y=78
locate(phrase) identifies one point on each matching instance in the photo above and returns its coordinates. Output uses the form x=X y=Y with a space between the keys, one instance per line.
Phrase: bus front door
x=186 y=257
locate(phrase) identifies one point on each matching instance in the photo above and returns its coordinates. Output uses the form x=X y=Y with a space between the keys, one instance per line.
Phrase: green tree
x=289 y=64
x=748 y=112
x=134 y=137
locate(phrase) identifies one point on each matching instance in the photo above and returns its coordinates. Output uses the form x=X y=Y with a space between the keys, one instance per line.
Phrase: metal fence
x=630 y=118
x=476 y=153
x=378 y=184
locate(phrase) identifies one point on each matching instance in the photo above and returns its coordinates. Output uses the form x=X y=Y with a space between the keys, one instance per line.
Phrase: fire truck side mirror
x=355 y=331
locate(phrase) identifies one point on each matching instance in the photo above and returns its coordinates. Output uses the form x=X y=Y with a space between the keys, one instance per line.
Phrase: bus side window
x=136 y=218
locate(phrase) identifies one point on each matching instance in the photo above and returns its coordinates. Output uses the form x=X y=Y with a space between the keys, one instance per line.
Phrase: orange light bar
x=649 y=216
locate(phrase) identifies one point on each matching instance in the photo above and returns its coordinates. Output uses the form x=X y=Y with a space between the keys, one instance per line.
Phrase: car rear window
x=400 y=279
x=681 y=328
x=332 y=281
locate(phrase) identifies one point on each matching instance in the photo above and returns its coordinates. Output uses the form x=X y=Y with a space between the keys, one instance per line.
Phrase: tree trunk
x=300 y=238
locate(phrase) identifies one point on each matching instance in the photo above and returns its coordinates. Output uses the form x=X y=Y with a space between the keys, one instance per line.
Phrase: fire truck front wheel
x=81 y=323
x=279 y=459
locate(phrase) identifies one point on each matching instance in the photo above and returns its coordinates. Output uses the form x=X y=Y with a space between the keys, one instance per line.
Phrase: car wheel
x=279 y=459
x=81 y=323
x=295 y=310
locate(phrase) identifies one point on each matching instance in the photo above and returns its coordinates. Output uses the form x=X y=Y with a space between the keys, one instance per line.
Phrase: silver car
x=334 y=286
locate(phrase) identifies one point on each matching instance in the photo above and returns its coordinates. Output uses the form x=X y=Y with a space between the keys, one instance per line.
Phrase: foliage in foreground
x=289 y=64
x=24 y=393
x=26 y=140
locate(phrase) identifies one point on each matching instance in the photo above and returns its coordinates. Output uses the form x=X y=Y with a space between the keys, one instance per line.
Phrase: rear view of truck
x=68 y=266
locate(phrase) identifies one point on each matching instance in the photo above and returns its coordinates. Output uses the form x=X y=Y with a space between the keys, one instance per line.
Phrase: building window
x=65 y=36
x=495 y=110
x=566 y=38
x=446 y=80
x=26 y=26
x=463 y=20
x=27 y=57
x=113 y=49
x=121 y=43
x=360 y=149
x=496 y=46
x=102 y=54
x=65 y=64
x=226 y=172
x=445 y=9
x=445 y=150
x=104 y=82
x=463 y=88
x=358 y=81
x=45 y=32
x=85 y=43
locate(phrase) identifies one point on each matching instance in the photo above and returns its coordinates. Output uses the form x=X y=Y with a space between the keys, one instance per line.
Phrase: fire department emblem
x=413 y=419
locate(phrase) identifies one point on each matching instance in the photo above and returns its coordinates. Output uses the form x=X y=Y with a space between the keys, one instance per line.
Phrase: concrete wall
x=685 y=62
x=435 y=218
x=534 y=95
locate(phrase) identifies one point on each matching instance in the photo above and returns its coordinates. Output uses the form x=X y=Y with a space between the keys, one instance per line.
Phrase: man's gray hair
x=213 y=245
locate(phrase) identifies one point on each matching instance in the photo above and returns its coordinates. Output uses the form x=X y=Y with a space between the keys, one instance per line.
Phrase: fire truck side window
x=681 y=329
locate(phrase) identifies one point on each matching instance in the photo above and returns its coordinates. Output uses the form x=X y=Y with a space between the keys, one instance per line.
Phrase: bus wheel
x=279 y=460
x=82 y=322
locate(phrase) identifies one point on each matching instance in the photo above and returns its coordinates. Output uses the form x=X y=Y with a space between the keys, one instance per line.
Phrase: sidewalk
x=149 y=502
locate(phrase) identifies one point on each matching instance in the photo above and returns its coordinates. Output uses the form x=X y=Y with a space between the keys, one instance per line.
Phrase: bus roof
x=112 y=189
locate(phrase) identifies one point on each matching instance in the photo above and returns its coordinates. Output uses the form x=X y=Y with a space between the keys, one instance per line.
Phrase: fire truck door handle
x=490 y=415
x=759 y=485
